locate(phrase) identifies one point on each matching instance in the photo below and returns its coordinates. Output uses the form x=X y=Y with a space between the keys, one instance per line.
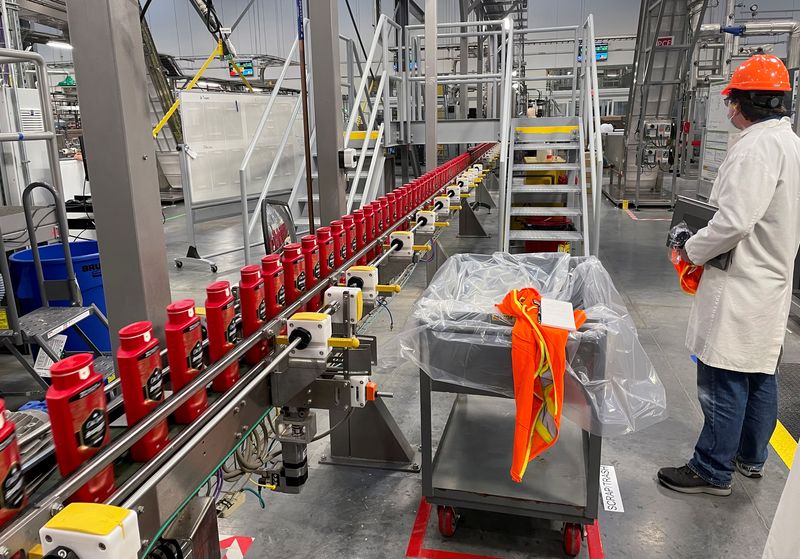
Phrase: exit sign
x=665 y=41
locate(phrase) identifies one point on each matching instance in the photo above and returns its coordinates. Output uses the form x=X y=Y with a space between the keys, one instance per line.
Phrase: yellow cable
x=267 y=486
x=161 y=123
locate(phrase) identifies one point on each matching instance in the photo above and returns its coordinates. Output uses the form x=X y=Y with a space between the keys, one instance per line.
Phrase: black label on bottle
x=330 y=261
x=262 y=310
x=93 y=430
x=343 y=252
x=364 y=237
x=195 y=357
x=317 y=271
x=154 y=387
x=373 y=231
x=12 y=490
x=231 y=333
x=353 y=245
x=280 y=297
x=300 y=281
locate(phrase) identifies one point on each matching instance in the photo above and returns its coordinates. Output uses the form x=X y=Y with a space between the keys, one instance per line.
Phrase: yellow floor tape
x=784 y=444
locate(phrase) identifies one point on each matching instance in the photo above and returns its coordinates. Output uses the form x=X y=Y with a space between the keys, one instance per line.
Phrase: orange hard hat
x=762 y=72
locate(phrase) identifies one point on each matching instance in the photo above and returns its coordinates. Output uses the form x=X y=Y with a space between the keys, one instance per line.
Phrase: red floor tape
x=234 y=547
x=417 y=550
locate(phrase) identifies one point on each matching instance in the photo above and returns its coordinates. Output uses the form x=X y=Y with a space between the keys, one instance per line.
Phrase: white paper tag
x=557 y=314
x=609 y=490
x=43 y=362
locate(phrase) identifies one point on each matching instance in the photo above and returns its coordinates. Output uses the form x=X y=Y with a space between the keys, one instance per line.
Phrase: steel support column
x=331 y=184
x=431 y=104
x=121 y=159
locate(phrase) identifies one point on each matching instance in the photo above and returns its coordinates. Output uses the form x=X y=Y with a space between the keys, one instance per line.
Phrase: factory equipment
x=321 y=362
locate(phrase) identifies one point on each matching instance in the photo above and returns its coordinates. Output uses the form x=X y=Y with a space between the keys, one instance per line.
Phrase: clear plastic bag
x=456 y=335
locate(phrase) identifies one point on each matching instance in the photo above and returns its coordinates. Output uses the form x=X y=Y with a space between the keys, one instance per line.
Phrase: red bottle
x=139 y=361
x=76 y=404
x=274 y=290
x=361 y=234
x=12 y=482
x=222 y=335
x=369 y=228
x=313 y=269
x=339 y=242
x=184 y=338
x=327 y=259
x=294 y=269
x=253 y=309
x=377 y=212
x=350 y=235
x=392 y=198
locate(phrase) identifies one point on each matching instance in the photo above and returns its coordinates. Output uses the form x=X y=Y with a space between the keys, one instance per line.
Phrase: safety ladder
x=546 y=203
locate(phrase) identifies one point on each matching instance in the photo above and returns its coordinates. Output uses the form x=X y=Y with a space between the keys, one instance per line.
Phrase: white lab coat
x=739 y=315
x=783 y=541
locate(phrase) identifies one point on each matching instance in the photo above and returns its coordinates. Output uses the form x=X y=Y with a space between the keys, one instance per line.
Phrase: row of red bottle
x=76 y=400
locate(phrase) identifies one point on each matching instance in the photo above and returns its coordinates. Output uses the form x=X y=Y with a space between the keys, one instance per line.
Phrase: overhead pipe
x=760 y=28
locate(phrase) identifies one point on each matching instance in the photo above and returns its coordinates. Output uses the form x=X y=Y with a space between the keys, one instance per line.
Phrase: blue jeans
x=740 y=412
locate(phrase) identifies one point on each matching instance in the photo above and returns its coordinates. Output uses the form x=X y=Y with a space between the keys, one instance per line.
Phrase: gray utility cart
x=471 y=466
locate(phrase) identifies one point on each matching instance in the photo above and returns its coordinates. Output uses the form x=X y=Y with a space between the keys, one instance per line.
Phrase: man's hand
x=685 y=257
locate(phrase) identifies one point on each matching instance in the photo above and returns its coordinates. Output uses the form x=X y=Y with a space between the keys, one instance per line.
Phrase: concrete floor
x=359 y=513
x=345 y=512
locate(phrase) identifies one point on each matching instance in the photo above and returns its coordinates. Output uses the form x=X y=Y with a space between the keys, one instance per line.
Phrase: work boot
x=753 y=472
x=684 y=480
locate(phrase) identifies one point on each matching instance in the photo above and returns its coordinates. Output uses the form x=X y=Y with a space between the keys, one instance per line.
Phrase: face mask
x=733 y=110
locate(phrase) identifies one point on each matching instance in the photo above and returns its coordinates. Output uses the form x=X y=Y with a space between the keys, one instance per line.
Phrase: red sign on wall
x=665 y=41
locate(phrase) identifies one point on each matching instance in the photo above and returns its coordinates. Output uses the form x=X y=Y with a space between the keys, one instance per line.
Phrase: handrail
x=505 y=136
x=365 y=145
x=598 y=172
x=362 y=84
x=248 y=223
x=369 y=189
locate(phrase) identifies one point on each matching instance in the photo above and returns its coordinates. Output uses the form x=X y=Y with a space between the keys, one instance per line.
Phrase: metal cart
x=470 y=468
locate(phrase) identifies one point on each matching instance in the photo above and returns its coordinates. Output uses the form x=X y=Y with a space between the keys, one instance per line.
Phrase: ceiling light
x=59 y=45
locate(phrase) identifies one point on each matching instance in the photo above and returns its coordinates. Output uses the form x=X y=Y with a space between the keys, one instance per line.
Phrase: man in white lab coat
x=739 y=315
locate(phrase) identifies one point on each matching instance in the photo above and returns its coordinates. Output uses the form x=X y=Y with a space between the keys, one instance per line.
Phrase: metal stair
x=667 y=35
x=41 y=325
x=563 y=203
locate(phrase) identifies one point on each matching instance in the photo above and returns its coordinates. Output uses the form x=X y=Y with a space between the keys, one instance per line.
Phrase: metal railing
x=380 y=64
x=590 y=102
x=249 y=221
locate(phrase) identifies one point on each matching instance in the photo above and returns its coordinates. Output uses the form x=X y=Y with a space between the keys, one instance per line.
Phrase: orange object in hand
x=688 y=274
x=538 y=358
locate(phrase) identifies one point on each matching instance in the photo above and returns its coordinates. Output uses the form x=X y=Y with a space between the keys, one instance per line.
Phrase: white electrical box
x=319 y=328
x=366 y=279
x=355 y=303
x=406 y=251
x=429 y=217
x=444 y=210
x=92 y=531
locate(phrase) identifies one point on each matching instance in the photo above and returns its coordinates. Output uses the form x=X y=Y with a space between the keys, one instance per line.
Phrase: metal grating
x=789 y=397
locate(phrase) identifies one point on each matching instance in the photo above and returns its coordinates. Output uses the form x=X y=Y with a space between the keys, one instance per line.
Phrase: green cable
x=182 y=506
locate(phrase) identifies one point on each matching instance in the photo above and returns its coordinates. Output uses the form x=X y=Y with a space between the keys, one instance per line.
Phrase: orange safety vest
x=688 y=274
x=538 y=358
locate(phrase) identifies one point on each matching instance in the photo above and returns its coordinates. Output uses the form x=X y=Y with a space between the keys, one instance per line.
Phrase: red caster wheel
x=572 y=539
x=447 y=520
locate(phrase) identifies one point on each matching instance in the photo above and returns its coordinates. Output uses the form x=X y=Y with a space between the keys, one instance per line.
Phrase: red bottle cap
x=368 y=211
x=270 y=264
x=309 y=242
x=218 y=292
x=252 y=272
x=324 y=234
x=292 y=250
x=358 y=215
x=135 y=335
x=180 y=310
x=348 y=220
x=72 y=369
x=337 y=226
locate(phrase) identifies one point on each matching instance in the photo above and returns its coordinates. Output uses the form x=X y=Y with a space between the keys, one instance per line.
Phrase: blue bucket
x=86 y=261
